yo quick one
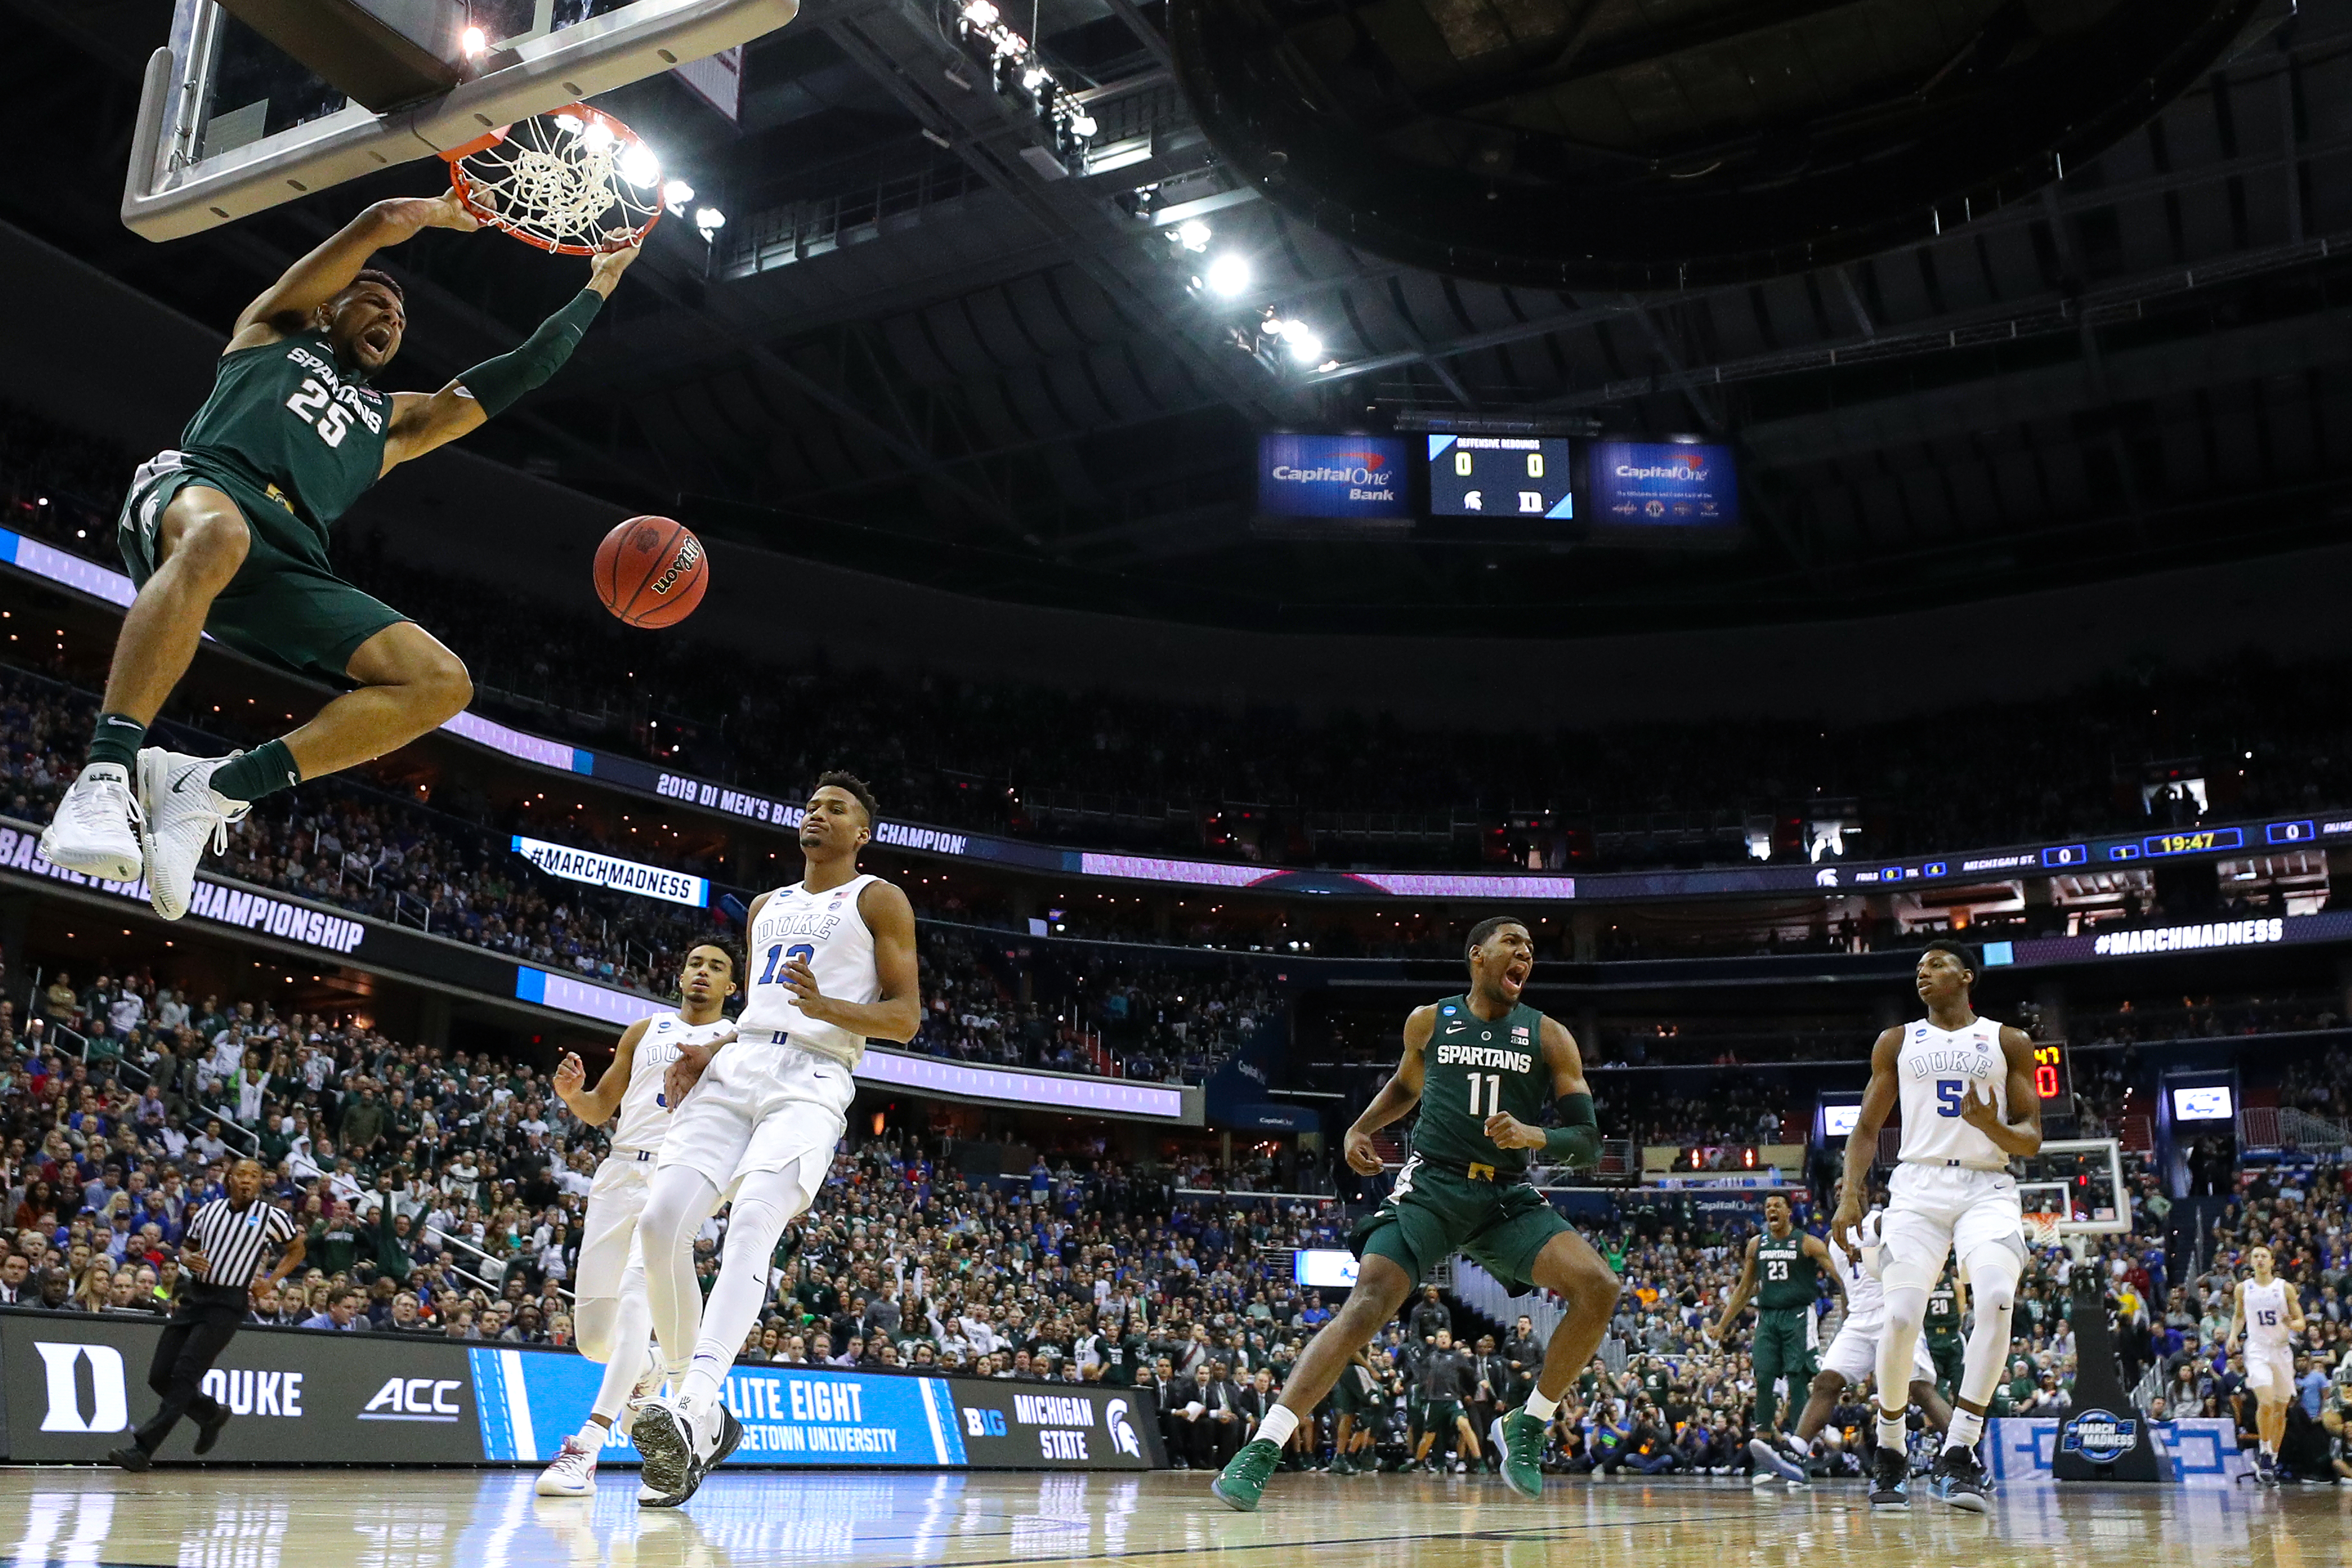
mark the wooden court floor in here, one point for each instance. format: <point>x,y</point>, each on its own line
<point>373,1519</point>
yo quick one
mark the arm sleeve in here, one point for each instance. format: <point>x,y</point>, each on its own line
<point>1576,1141</point>
<point>497,383</point>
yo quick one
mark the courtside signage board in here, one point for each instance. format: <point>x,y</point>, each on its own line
<point>1641,484</point>
<point>1362,477</point>
<point>821,1418</point>
<point>74,1386</point>
<point>612,871</point>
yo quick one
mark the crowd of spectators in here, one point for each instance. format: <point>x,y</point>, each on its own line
<point>1269,784</point>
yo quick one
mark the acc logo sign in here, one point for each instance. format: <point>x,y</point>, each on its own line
<point>1122,1430</point>
<point>110,1398</point>
<point>414,1399</point>
<point>2099,1435</point>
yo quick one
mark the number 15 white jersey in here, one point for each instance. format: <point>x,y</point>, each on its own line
<point>1939,1070</point>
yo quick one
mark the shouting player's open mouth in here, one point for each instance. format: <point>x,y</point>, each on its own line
<point>1514,974</point>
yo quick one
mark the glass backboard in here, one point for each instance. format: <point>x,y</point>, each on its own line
<point>2086,1174</point>
<point>229,124</point>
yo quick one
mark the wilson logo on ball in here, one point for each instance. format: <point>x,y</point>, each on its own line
<point>651,571</point>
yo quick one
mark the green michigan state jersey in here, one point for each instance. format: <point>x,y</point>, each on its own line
<point>1943,1312</point>
<point>1472,1068</point>
<point>286,420</point>
<point>1785,1277</point>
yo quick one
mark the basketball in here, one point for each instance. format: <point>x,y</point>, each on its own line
<point>651,571</point>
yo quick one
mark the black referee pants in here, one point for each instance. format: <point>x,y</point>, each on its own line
<point>202,1324</point>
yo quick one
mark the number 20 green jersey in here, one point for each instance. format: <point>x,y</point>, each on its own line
<point>1473,1068</point>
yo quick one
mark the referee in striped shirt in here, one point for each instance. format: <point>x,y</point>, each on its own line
<point>221,1254</point>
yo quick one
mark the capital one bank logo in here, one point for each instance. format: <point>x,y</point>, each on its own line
<point>109,1402</point>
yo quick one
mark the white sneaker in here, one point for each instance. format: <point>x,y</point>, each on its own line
<point>574,1472</point>
<point>95,830</point>
<point>181,812</point>
<point>647,1385</point>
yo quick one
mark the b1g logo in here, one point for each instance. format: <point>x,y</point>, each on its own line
<point>2099,1435</point>
<point>414,1399</point>
<point>982,1423</point>
<point>110,1405</point>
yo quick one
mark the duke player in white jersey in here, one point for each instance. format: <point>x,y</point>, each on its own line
<point>1966,1085</point>
<point>2266,1309</point>
<point>1853,1357</point>
<point>830,964</point>
<point>611,1319</point>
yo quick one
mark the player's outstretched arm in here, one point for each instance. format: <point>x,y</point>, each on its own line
<point>595,1107</point>
<point>1737,1302</point>
<point>422,421</point>
<point>286,307</point>
<point>1399,1095</point>
<point>1862,1144</point>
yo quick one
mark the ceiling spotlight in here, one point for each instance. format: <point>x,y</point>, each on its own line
<point>1193,235</point>
<point>1083,124</point>
<point>675,195</point>
<point>474,42</point>
<point>596,136</point>
<point>1033,77</point>
<point>709,220</point>
<point>639,166</point>
<point>980,13</point>
<point>1305,346</point>
<point>1228,275</point>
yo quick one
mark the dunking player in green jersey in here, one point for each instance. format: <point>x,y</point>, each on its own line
<point>1783,1274</point>
<point>1482,1067</point>
<point>229,534</point>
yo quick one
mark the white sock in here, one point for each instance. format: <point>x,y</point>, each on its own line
<point>2266,1447</point>
<point>1965,1429</point>
<point>1540,1407</point>
<point>592,1437</point>
<point>1277,1426</point>
<point>1892,1432</point>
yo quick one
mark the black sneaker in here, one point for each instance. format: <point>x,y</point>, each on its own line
<point>208,1433</point>
<point>1958,1479</point>
<point>1890,1476</point>
<point>133,1458</point>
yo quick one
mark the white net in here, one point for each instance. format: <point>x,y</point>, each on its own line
<point>576,181</point>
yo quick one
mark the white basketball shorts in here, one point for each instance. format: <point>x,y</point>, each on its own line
<point>1853,1353</point>
<point>1937,1211</point>
<point>761,1106</point>
<point>2271,1368</point>
<point>611,1261</point>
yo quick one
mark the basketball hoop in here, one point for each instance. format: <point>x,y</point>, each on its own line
<point>574,180</point>
<point>2041,1228</point>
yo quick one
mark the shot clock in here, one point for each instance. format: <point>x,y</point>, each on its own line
<point>1523,478</point>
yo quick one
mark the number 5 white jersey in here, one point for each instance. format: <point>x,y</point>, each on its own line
<point>1939,1070</point>
<point>825,932</point>
<point>645,1113</point>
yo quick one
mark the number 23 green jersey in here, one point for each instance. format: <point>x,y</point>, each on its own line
<point>1471,1068</point>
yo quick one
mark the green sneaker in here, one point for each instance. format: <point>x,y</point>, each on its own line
<point>1243,1480</point>
<point>1523,1444</point>
<point>1342,1466</point>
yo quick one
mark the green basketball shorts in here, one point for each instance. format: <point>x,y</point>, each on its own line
<point>285,605</point>
<point>1432,1213</point>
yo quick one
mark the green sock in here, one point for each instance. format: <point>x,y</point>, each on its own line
<point>117,739</point>
<point>265,770</point>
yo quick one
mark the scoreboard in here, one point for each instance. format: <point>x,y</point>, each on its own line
<point>1522,477</point>
<point>2050,1072</point>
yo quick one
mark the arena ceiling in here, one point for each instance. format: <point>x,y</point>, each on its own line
<point>917,349</point>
